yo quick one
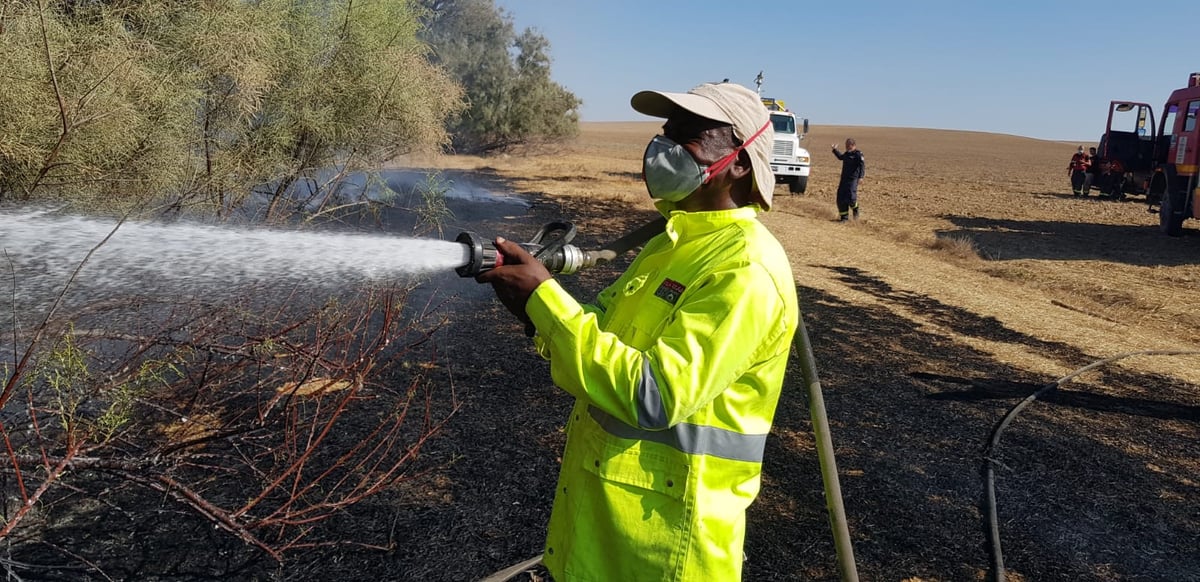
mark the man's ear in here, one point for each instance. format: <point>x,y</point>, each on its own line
<point>741,167</point>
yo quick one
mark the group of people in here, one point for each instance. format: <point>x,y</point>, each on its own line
<point>1089,170</point>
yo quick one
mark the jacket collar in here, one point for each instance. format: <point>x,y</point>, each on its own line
<point>682,224</point>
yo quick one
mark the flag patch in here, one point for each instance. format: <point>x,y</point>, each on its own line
<point>669,291</point>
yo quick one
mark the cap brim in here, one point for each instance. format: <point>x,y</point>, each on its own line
<point>662,104</point>
<point>764,178</point>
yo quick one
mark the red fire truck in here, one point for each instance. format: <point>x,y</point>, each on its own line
<point>1157,160</point>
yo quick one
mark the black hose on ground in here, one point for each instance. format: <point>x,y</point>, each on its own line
<point>991,461</point>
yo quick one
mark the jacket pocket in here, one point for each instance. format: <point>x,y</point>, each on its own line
<point>636,525</point>
<point>641,469</point>
<point>647,325</point>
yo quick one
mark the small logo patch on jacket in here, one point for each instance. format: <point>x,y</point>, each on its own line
<point>669,291</point>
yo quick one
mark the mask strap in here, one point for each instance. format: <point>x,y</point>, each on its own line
<point>725,161</point>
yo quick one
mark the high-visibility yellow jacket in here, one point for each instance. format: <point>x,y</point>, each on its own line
<point>676,371</point>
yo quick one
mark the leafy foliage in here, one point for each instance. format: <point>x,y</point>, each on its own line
<point>506,77</point>
<point>88,108</point>
<point>201,103</point>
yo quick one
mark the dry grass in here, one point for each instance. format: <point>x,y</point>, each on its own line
<point>956,246</point>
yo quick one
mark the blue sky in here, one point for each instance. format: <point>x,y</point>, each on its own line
<point>1038,69</point>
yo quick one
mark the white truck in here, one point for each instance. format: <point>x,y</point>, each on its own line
<point>789,161</point>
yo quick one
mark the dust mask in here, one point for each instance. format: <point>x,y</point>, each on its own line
<point>671,173</point>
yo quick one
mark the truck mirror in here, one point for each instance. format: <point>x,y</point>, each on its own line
<point>806,125</point>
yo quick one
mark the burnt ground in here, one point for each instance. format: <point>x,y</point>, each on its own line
<point>911,413</point>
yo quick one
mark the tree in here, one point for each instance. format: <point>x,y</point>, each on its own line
<point>210,104</point>
<point>506,77</point>
<point>88,113</point>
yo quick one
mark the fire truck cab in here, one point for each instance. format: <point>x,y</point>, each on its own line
<point>1158,160</point>
<point>1179,142</point>
<point>789,161</point>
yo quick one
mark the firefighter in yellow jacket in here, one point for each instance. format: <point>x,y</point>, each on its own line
<point>677,367</point>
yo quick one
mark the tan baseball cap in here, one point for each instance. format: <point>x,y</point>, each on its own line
<point>728,103</point>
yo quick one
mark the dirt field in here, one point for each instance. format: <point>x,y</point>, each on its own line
<point>973,279</point>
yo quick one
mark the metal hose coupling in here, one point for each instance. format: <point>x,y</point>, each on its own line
<point>552,247</point>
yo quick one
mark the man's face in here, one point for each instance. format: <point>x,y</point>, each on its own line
<point>705,139</point>
<point>849,146</point>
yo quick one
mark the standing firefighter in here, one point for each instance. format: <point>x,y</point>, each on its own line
<point>1094,168</point>
<point>677,368</point>
<point>854,167</point>
<point>1077,169</point>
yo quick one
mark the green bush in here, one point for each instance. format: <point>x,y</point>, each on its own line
<point>199,103</point>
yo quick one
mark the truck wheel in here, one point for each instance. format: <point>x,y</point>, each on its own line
<point>798,185</point>
<point>1170,213</point>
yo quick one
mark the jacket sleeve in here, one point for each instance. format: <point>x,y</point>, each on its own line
<point>603,299</point>
<point>712,339</point>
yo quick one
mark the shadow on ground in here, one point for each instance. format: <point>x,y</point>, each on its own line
<point>1080,471</point>
<point>1005,239</point>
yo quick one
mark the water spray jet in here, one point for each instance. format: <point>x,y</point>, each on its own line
<point>41,249</point>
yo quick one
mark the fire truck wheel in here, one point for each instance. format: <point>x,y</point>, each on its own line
<point>1170,214</point>
<point>798,185</point>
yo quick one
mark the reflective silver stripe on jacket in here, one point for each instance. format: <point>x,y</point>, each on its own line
<point>692,439</point>
<point>651,412</point>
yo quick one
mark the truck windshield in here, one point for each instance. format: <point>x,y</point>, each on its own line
<point>784,123</point>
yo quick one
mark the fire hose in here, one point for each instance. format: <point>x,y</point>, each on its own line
<point>990,455</point>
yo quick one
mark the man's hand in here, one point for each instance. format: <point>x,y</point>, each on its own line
<point>515,277</point>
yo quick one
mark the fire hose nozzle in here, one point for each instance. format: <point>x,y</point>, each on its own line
<point>556,255</point>
<point>551,247</point>
<point>481,256</point>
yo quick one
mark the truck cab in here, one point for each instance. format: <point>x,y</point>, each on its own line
<point>1177,181</point>
<point>790,162</point>
<point>1159,160</point>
